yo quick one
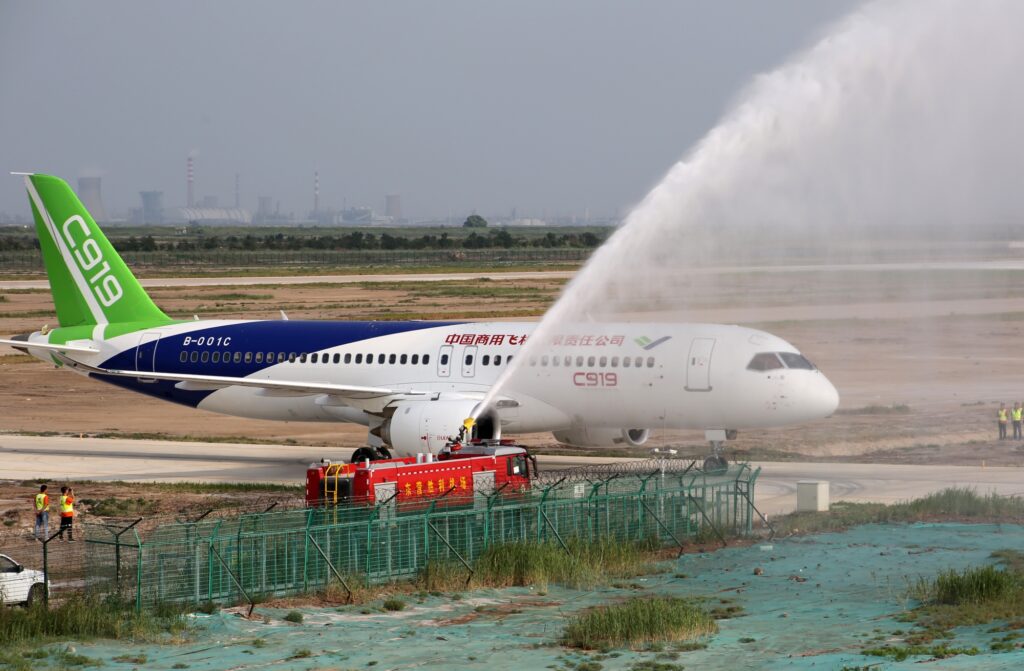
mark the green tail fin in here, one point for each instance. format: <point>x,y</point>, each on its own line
<point>89,281</point>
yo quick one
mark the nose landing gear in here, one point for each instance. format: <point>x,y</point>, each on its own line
<point>716,464</point>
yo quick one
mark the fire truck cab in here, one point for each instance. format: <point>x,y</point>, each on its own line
<point>477,468</point>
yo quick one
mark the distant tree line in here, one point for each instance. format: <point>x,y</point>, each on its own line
<point>490,238</point>
<point>493,239</point>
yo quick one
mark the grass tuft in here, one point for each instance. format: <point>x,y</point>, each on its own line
<point>294,616</point>
<point>394,604</point>
<point>85,617</point>
<point>639,621</point>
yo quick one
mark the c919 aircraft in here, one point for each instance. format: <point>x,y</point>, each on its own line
<point>412,383</point>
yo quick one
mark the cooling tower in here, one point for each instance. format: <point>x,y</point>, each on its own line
<point>89,193</point>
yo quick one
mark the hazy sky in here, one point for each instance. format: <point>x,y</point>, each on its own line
<point>550,107</point>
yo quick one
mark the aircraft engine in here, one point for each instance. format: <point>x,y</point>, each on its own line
<point>584,437</point>
<point>427,426</point>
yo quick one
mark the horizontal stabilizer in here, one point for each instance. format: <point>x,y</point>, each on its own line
<point>25,345</point>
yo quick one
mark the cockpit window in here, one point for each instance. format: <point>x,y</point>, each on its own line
<point>793,360</point>
<point>765,361</point>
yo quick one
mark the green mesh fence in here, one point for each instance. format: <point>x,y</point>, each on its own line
<point>278,553</point>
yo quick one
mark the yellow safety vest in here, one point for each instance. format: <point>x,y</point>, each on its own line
<point>1002,415</point>
<point>1018,414</point>
<point>42,502</point>
<point>67,505</point>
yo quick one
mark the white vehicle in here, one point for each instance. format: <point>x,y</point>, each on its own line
<point>19,584</point>
<point>410,383</point>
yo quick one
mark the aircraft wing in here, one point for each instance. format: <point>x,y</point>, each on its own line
<point>25,345</point>
<point>270,387</point>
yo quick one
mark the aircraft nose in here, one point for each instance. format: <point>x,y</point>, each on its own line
<point>826,396</point>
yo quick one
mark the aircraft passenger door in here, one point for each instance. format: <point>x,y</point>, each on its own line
<point>469,361</point>
<point>698,365</point>
<point>145,352</point>
<point>444,361</point>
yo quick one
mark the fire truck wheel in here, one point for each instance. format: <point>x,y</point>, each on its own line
<point>362,454</point>
<point>383,453</point>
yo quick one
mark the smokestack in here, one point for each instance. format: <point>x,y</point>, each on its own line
<point>393,206</point>
<point>92,198</point>
<point>316,191</point>
<point>189,199</point>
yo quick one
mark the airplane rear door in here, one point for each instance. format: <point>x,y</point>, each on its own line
<point>469,362</point>
<point>145,352</point>
<point>698,365</point>
<point>444,361</point>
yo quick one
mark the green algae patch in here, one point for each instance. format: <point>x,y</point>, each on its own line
<point>638,622</point>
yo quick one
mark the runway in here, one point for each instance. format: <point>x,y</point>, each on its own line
<point>66,458</point>
<point>167,282</point>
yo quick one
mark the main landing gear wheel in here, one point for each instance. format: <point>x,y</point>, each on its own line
<point>362,454</point>
<point>383,453</point>
<point>716,464</point>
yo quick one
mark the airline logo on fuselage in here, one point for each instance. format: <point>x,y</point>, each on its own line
<point>89,258</point>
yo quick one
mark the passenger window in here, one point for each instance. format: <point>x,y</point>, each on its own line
<point>508,359</point>
<point>533,361</point>
<point>486,360</point>
<point>403,359</point>
<point>369,358</point>
<point>615,362</point>
<point>444,359</point>
<point>259,357</point>
<point>337,358</point>
<point>281,357</point>
<point>568,361</point>
<point>291,357</point>
<point>314,357</point>
<point>590,362</point>
<point>205,357</point>
<point>216,357</point>
<point>184,356</point>
<point>555,361</point>
<point>415,359</point>
<point>497,359</point>
<point>579,362</point>
<point>626,361</point>
<point>469,359</point>
<point>639,362</point>
<point>303,357</point>
<point>270,357</point>
<point>793,360</point>
<point>194,356</point>
<point>650,362</point>
<point>380,358</point>
<point>248,357</point>
<point>392,359</point>
<point>359,358</point>
<point>604,361</point>
<point>237,358</point>
<point>327,358</point>
<point>764,361</point>
<point>348,357</point>
<point>426,359</point>
<point>544,360</point>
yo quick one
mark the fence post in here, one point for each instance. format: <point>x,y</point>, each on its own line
<point>305,551</point>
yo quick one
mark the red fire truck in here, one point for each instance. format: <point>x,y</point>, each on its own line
<point>459,471</point>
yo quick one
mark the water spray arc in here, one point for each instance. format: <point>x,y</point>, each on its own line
<point>904,115</point>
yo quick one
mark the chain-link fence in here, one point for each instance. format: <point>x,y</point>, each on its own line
<point>284,549</point>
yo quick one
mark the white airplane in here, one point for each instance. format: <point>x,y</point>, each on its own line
<point>411,383</point>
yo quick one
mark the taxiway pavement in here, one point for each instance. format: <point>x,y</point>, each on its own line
<point>68,458</point>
